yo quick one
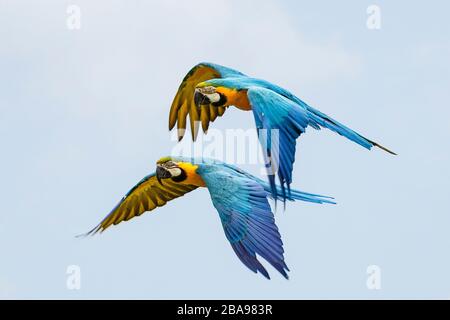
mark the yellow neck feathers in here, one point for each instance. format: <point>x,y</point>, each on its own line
<point>191,172</point>
<point>237,98</point>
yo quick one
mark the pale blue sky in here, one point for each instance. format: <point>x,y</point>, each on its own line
<point>83,117</point>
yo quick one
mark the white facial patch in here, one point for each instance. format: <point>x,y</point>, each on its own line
<point>174,172</point>
<point>213,97</point>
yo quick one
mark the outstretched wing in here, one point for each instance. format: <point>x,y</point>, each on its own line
<point>285,118</point>
<point>147,195</point>
<point>283,122</point>
<point>326,121</point>
<point>183,103</point>
<point>246,217</point>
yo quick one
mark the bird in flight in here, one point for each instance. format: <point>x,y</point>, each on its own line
<point>209,89</point>
<point>240,198</point>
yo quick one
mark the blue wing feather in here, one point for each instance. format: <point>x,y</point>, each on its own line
<point>225,72</point>
<point>246,217</point>
<point>285,121</point>
<point>319,118</point>
<point>276,108</point>
<point>273,191</point>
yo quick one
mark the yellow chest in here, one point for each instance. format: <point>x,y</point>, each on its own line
<point>191,172</point>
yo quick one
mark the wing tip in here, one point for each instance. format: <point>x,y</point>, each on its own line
<point>90,233</point>
<point>180,133</point>
<point>260,269</point>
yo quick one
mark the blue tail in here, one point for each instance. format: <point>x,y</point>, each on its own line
<point>309,197</point>
<point>281,193</point>
<point>319,119</point>
<point>293,195</point>
<point>325,121</point>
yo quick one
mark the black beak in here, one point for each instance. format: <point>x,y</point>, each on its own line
<point>200,99</point>
<point>162,173</point>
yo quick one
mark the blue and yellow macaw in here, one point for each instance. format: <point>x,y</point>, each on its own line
<point>209,89</point>
<point>239,197</point>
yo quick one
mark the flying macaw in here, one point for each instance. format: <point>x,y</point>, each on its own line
<point>209,89</point>
<point>239,197</point>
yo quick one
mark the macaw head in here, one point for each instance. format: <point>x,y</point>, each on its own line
<point>178,170</point>
<point>209,92</point>
<point>222,93</point>
<point>167,168</point>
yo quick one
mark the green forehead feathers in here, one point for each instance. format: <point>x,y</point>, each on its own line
<point>164,160</point>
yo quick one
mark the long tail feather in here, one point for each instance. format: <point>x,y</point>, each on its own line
<point>325,121</point>
<point>294,195</point>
